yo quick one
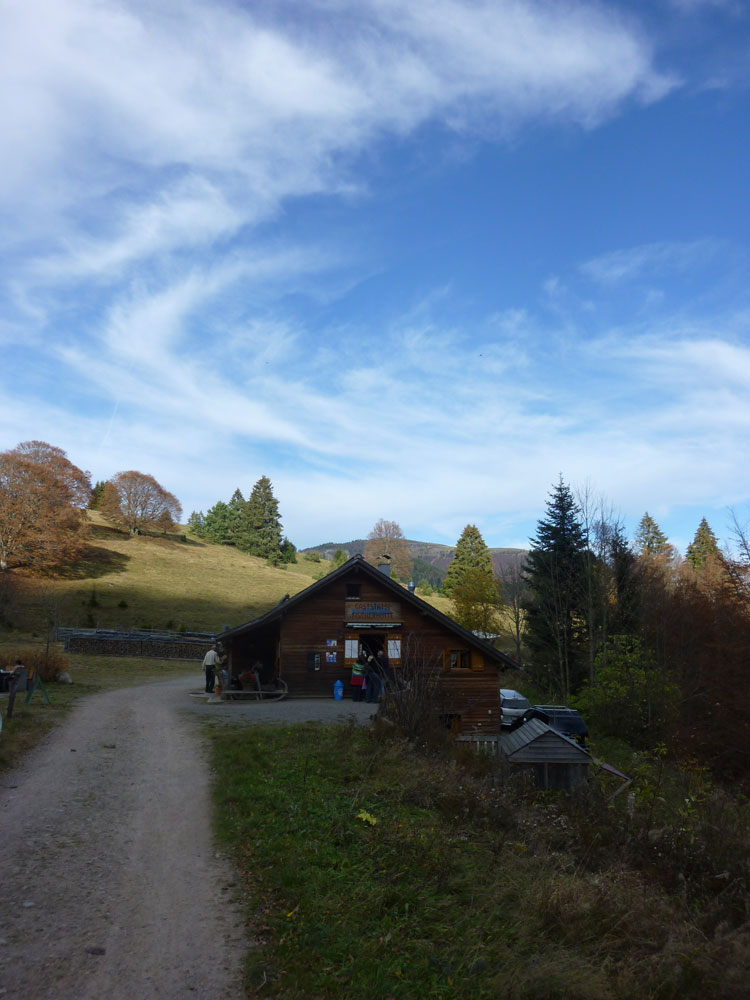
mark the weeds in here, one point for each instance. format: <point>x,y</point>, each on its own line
<point>380,866</point>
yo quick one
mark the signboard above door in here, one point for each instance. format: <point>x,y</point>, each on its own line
<point>368,612</point>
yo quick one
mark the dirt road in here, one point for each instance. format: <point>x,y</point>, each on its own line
<point>110,885</point>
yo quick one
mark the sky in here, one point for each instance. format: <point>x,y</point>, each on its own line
<point>410,261</point>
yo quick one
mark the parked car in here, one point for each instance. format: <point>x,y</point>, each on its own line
<point>567,721</point>
<point>512,706</point>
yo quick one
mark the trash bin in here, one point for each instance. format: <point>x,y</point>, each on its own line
<point>338,691</point>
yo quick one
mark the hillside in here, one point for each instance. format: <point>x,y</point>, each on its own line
<point>423,553</point>
<point>140,581</point>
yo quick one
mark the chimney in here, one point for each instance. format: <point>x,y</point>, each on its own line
<point>385,565</point>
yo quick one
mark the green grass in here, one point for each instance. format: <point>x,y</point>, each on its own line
<point>372,871</point>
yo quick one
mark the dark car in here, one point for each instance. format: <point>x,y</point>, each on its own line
<point>567,721</point>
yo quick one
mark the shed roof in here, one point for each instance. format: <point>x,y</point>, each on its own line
<point>537,743</point>
<point>358,565</point>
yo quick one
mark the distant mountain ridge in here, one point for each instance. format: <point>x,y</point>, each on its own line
<point>424,554</point>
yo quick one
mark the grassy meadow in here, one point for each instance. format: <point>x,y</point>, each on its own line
<point>167,582</point>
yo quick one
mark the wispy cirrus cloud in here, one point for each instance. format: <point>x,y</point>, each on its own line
<point>650,260</point>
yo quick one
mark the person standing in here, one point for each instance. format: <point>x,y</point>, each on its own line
<point>210,662</point>
<point>358,676</point>
<point>372,681</point>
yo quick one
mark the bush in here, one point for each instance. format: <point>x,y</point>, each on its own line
<point>50,663</point>
<point>312,556</point>
<point>632,698</point>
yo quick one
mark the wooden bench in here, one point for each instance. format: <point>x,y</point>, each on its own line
<point>260,692</point>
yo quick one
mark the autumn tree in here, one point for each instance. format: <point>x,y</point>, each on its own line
<point>703,547</point>
<point>477,600</point>
<point>471,554</point>
<point>137,502</point>
<point>387,539</point>
<point>43,500</point>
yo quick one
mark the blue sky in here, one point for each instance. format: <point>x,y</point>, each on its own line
<point>410,261</point>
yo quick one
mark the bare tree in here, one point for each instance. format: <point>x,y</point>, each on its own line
<point>387,539</point>
<point>136,501</point>
<point>515,595</point>
<point>412,702</point>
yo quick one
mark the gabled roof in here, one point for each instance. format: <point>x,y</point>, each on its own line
<point>537,743</point>
<point>358,564</point>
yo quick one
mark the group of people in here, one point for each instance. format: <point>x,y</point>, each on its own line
<point>371,675</point>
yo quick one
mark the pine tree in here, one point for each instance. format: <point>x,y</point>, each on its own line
<point>238,522</point>
<point>471,554</point>
<point>217,524</point>
<point>703,547</point>
<point>555,606</point>
<point>195,523</point>
<point>264,522</point>
<point>649,538</point>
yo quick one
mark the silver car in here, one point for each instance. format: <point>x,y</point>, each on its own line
<point>512,706</point>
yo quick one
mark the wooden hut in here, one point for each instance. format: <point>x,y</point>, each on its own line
<point>558,762</point>
<point>311,640</point>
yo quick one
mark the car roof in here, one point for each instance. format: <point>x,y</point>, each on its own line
<point>510,693</point>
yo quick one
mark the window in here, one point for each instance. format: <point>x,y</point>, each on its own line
<point>353,591</point>
<point>459,659</point>
<point>394,649</point>
<point>351,649</point>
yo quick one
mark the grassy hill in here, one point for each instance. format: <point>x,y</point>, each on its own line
<point>143,581</point>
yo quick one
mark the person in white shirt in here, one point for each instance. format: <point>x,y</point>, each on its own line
<point>210,662</point>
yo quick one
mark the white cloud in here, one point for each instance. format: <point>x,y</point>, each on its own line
<point>620,266</point>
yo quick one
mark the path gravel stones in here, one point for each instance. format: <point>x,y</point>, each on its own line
<point>112,886</point>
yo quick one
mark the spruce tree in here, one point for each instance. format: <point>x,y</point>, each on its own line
<point>649,538</point>
<point>555,606</point>
<point>195,523</point>
<point>238,522</point>
<point>264,522</point>
<point>471,554</point>
<point>703,547</point>
<point>217,524</point>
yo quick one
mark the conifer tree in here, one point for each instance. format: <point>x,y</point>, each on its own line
<point>649,538</point>
<point>195,523</point>
<point>238,522</point>
<point>703,547</point>
<point>264,522</point>
<point>217,524</point>
<point>471,554</point>
<point>555,606</point>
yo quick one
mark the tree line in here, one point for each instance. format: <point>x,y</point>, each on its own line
<point>646,643</point>
<point>252,525</point>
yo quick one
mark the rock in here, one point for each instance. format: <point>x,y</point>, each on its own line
<point>64,678</point>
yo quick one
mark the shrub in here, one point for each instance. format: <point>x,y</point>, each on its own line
<point>632,698</point>
<point>312,556</point>
<point>49,662</point>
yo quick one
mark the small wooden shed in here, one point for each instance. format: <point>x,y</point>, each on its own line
<point>559,763</point>
<point>312,640</point>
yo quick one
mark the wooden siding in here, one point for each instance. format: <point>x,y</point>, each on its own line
<point>469,695</point>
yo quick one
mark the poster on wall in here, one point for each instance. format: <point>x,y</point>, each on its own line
<point>331,643</point>
<point>330,657</point>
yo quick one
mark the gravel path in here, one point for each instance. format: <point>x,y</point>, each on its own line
<point>111,883</point>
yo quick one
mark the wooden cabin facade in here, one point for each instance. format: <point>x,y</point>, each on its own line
<point>311,640</point>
